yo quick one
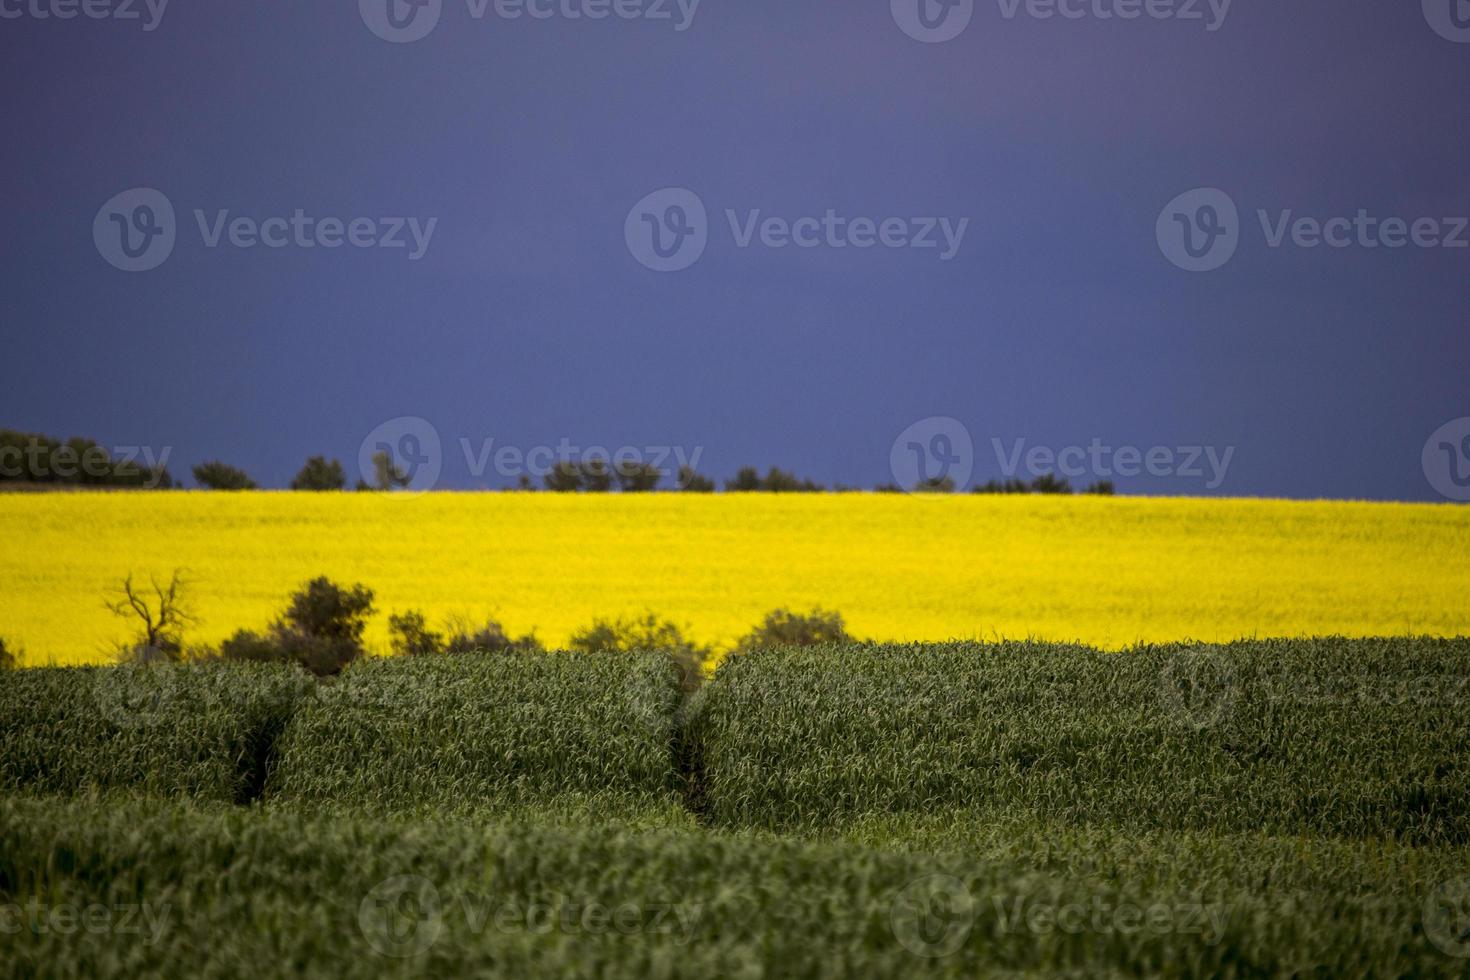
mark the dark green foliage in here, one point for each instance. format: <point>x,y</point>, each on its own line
<point>486,732</point>
<point>9,656</point>
<point>28,457</point>
<point>1010,486</point>
<point>321,630</point>
<point>643,634</point>
<point>465,637</point>
<point>1047,483</point>
<point>692,482</point>
<point>782,628</point>
<point>387,474</point>
<point>1102,488</point>
<point>565,477</point>
<point>232,892</point>
<point>201,731</point>
<point>634,477</point>
<point>411,636</point>
<point>323,608</point>
<point>320,474</point>
<point>215,475</point>
<point>776,480</point>
<point>1354,738</point>
<point>596,477</point>
<point>936,484</point>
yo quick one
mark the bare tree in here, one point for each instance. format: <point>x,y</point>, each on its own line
<point>164,613</point>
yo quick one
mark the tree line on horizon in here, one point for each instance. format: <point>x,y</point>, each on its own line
<point>83,462</point>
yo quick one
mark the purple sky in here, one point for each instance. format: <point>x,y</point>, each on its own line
<point>528,321</point>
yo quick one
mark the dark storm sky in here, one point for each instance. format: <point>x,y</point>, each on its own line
<point>528,320</point>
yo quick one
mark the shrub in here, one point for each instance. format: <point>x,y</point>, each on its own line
<point>692,482</point>
<point>564,477</point>
<point>411,636</point>
<point>517,729</point>
<point>646,634</point>
<point>215,475</point>
<point>782,628</point>
<point>28,457</point>
<point>636,477</point>
<point>936,484</point>
<point>321,630</point>
<point>776,480</point>
<point>201,731</point>
<point>320,474</point>
<point>9,656</point>
<point>1354,738</point>
<point>596,477</point>
<point>490,637</point>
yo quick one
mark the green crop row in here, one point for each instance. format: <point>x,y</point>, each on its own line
<point>1346,738</point>
<point>202,732</point>
<point>177,890</point>
<point>1340,737</point>
<point>514,729</point>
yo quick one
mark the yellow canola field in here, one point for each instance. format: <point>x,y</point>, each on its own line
<point>1110,572</point>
